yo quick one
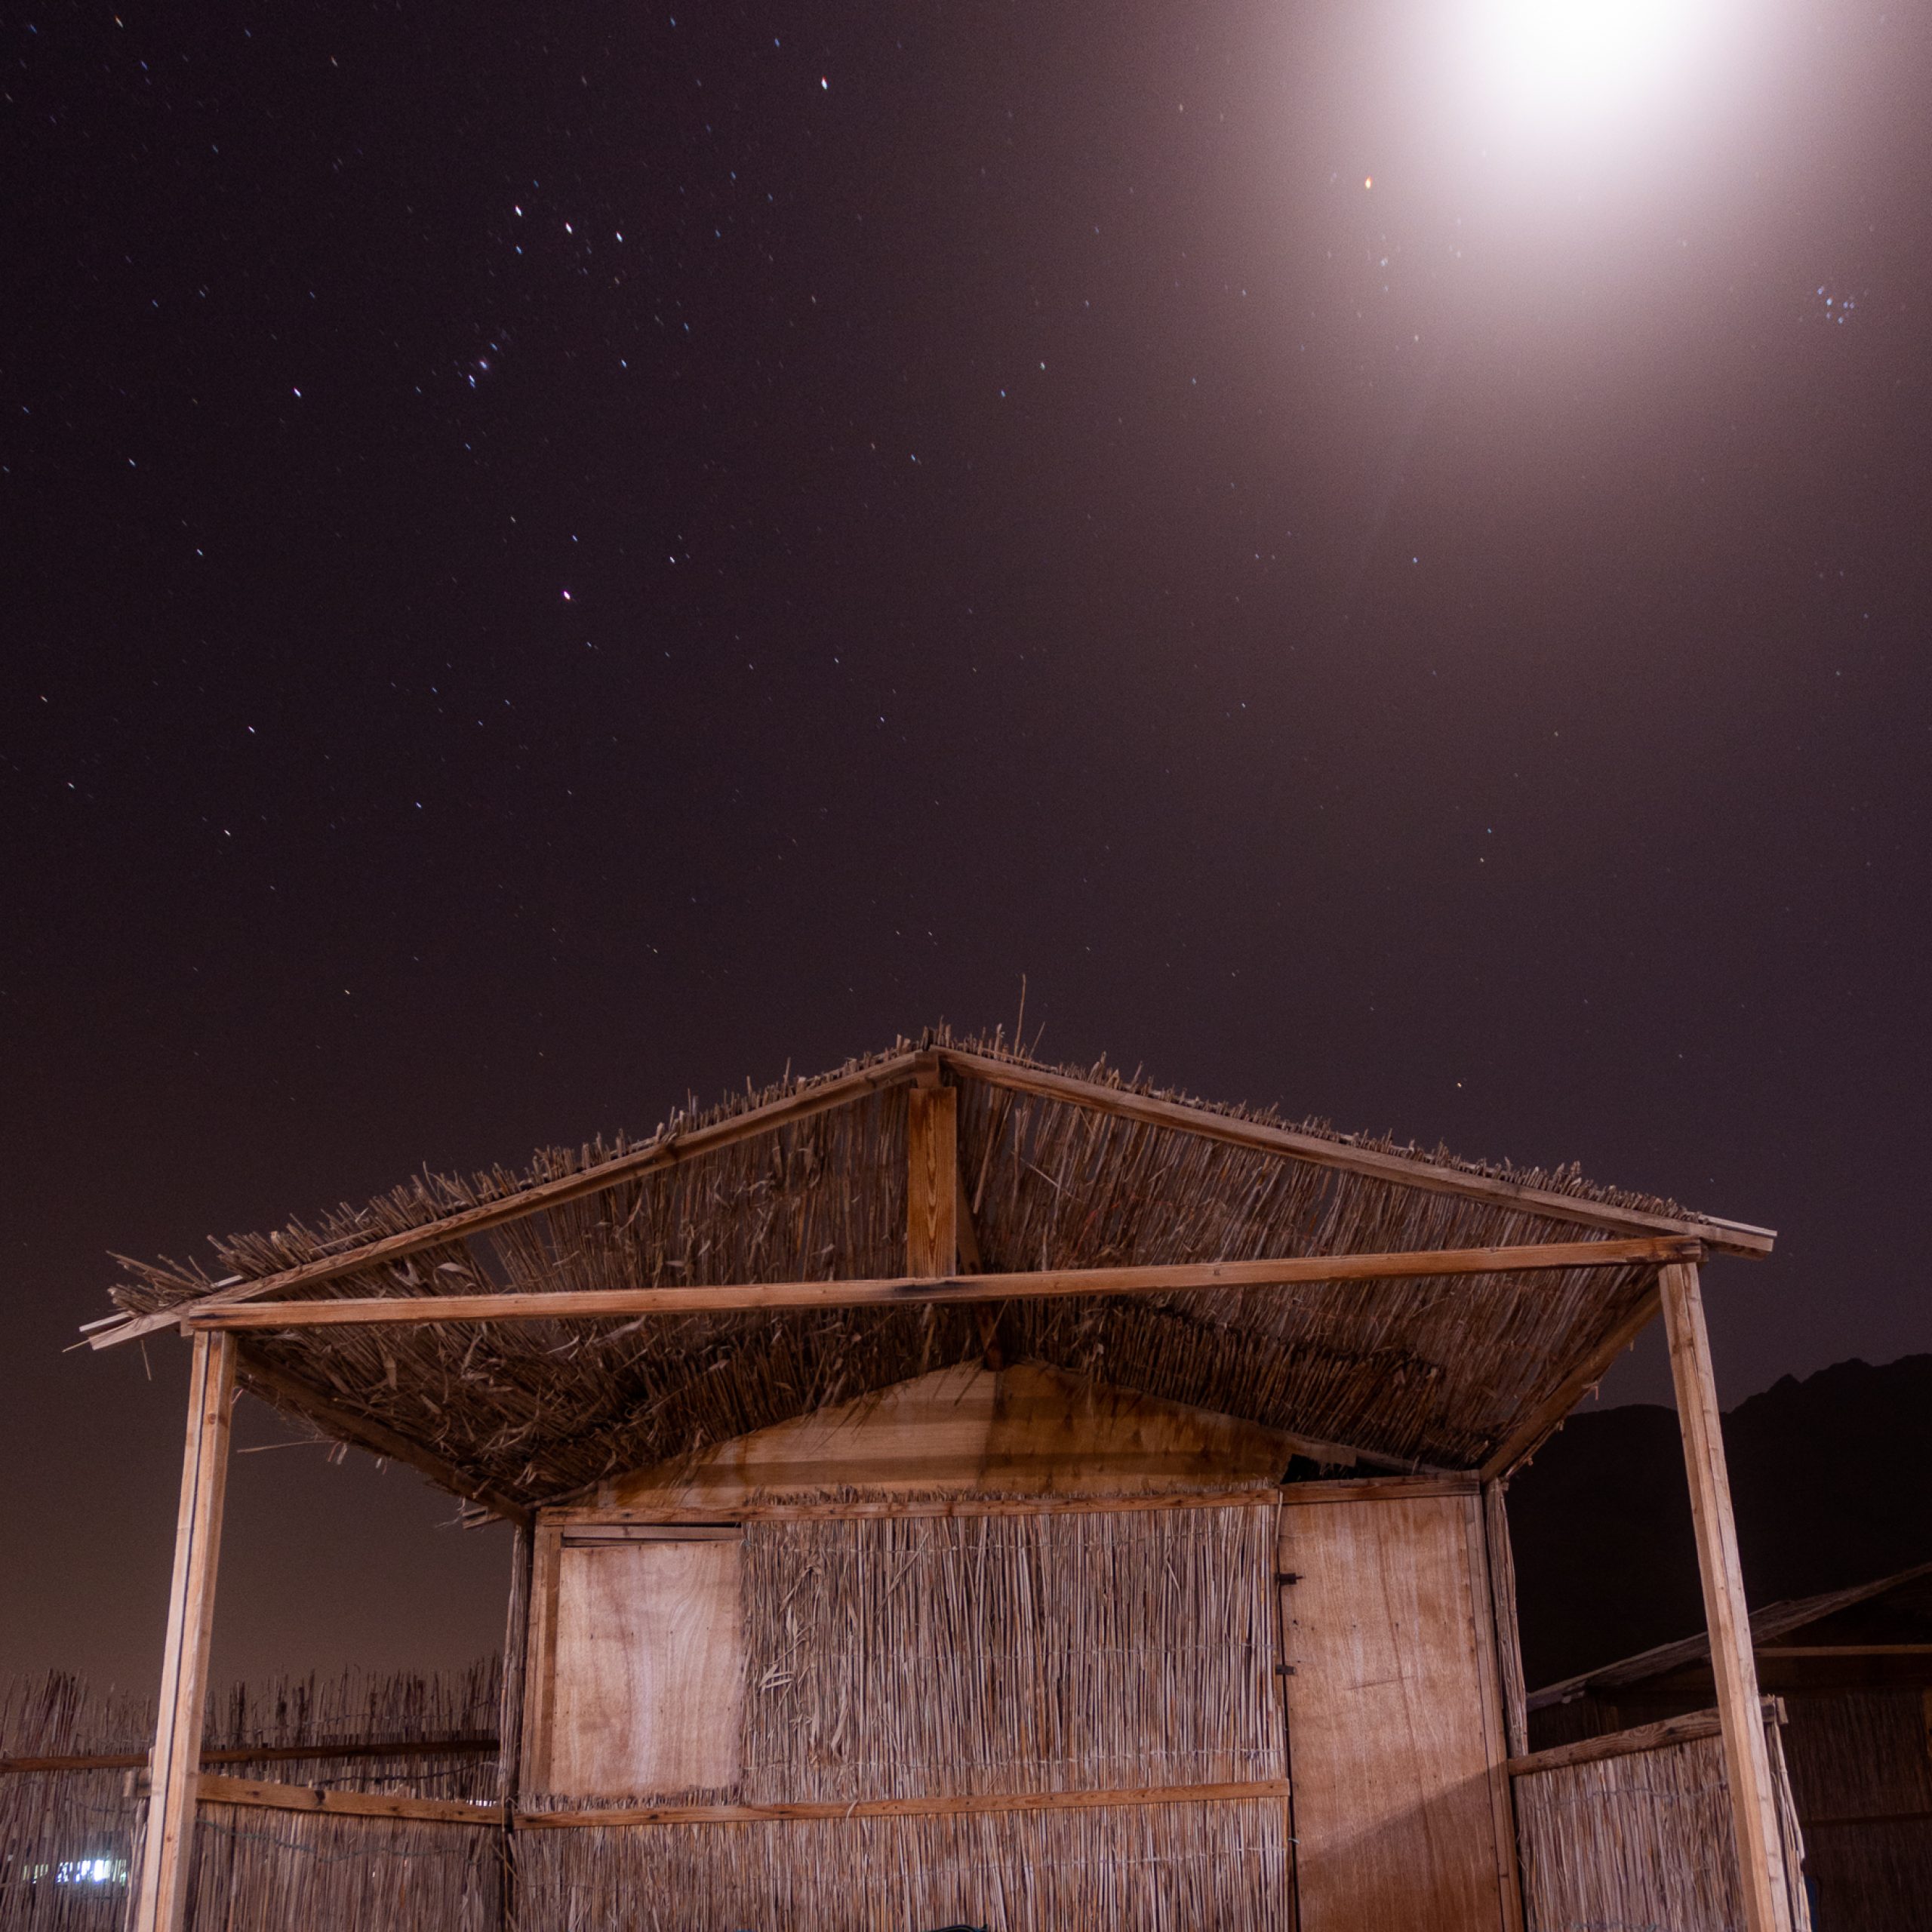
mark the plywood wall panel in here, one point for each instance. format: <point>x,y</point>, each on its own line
<point>646,1669</point>
<point>1389,1733</point>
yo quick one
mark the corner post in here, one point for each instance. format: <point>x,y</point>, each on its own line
<point>1747,1763</point>
<point>160,1904</point>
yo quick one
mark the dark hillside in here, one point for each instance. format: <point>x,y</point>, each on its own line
<point>1832,1480</point>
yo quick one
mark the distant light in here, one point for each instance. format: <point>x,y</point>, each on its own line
<point>1561,62</point>
<point>1368,181</point>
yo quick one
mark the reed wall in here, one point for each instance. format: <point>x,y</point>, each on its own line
<point>1642,1842</point>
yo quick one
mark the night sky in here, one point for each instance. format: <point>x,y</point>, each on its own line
<point>560,557</point>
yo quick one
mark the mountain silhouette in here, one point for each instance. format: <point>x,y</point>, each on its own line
<point>1832,1481</point>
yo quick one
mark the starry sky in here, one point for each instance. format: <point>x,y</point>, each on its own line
<point>562,556</point>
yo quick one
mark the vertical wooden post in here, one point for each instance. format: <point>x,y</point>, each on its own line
<point>932,1181</point>
<point>1502,1598</point>
<point>509,1723</point>
<point>1747,1764</point>
<point>160,1904</point>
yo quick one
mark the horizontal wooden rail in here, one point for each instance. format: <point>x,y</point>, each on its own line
<point>258,1792</point>
<point>612,1304</point>
<point>1658,1737</point>
<point>267,1753</point>
<point>1274,1788</point>
<point>587,1516</point>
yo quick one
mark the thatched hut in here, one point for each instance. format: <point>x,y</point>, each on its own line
<point>957,1490</point>
<point>1853,1669</point>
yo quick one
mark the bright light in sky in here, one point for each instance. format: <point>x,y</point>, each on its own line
<point>1570,63</point>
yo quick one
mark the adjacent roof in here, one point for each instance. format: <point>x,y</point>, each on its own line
<point>807,1181</point>
<point>1908,1590</point>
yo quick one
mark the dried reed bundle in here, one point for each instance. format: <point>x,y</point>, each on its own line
<point>1224,1866</point>
<point>1862,1779</point>
<point>1642,1842</point>
<point>266,1871</point>
<point>65,1837</point>
<point>1626,1844</point>
<point>898,1657</point>
<point>357,1707</point>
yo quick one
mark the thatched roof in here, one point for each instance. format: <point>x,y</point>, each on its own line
<point>807,1181</point>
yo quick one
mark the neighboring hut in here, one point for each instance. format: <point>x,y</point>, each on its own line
<point>1855,1669</point>
<point>955,1490</point>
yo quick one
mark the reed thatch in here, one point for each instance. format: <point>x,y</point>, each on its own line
<point>1133,1869</point>
<point>68,1838</point>
<point>1642,1842</point>
<point>1436,1372</point>
<point>1861,1773</point>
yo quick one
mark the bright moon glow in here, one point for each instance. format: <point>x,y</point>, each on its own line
<point>1561,62</point>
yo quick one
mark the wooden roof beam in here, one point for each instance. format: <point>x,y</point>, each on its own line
<point>1179,1278</point>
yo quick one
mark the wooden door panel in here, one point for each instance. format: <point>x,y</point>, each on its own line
<point>1392,1743</point>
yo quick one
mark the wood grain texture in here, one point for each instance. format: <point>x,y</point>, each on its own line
<point>932,1181</point>
<point>1502,1600</point>
<point>1024,1430</point>
<point>1031,1284</point>
<point>1389,1738</point>
<point>1747,1763</point>
<point>648,1669</point>
<point>160,1896</point>
<point>982,1804</point>
<point>260,1794</point>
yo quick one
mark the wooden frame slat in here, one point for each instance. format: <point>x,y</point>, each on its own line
<point>1177,1277</point>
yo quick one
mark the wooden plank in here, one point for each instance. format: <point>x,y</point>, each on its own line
<point>1496,1744</point>
<point>649,1673</point>
<point>982,1804</point>
<point>666,1152</point>
<point>161,1897</point>
<point>270,1754</point>
<point>1258,1496</point>
<point>1501,1562</point>
<point>256,1793</point>
<point>1693,1725</point>
<point>1547,1417</point>
<point>1726,1237</point>
<point>1176,1277</point>
<point>1381,1489</point>
<point>1747,1763</point>
<point>540,1675</point>
<point>280,1389</point>
<point>1027,1429</point>
<point>932,1181</point>
<point>1389,1750</point>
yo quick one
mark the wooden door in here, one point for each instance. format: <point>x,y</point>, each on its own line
<point>1394,1727</point>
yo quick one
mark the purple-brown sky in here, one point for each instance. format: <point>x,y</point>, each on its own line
<point>561,556</point>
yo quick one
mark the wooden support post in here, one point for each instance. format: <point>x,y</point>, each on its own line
<point>509,1723</point>
<point>1502,1599</point>
<point>1747,1763</point>
<point>932,1184</point>
<point>160,1904</point>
